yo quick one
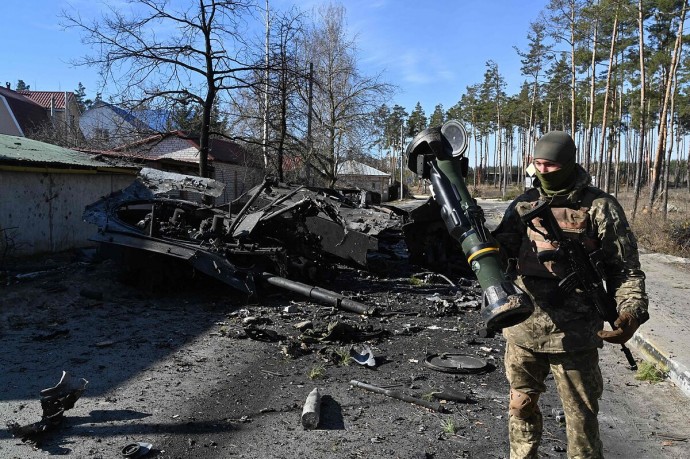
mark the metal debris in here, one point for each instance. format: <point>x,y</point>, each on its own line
<point>312,410</point>
<point>400,396</point>
<point>135,450</point>
<point>54,402</point>
<point>451,395</point>
<point>456,363</point>
<point>365,357</point>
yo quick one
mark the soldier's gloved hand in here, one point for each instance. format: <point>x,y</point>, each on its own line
<point>626,325</point>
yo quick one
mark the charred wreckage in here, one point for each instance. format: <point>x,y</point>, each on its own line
<point>282,235</point>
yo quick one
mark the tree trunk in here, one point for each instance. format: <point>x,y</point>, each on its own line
<point>687,170</point>
<point>640,155</point>
<point>204,135</point>
<point>477,155</point>
<point>592,95</point>
<point>663,118</point>
<point>601,170</point>
<point>266,76</point>
<point>573,121</point>
<point>667,163</point>
<point>619,117</point>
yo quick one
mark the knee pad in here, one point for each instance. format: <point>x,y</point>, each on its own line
<point>522,405</point>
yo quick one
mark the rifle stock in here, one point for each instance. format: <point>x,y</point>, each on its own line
<point>585,269</point>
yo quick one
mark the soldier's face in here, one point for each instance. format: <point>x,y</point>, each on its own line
<point>545,166</point>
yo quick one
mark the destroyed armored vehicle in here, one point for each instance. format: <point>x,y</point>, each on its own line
<point>273,233</point>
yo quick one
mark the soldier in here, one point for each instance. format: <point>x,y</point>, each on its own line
<point>564,332</point>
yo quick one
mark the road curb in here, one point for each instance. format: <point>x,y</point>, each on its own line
<point>677,372</point>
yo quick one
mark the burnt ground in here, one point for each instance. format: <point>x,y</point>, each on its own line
<point>176,368</point>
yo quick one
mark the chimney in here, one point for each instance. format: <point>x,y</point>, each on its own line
<point>8,85</point>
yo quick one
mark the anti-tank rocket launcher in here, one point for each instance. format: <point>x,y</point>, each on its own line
<point>436,154</point>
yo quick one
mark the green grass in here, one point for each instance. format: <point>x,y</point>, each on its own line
<point>429,396</point>
<point>649,372</point>
<point>415,281</point>
<point>343,356</point>
<point>317,372</point>
<point>449,426</point>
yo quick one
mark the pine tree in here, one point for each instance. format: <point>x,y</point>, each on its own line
<point>417,121</point>
<point>438,117</point>
<point>80,94</point>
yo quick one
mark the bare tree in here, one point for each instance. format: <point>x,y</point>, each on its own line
<point>278,129</point>
<point>287,75</point>
<point>58,132</point>
<point>344,100</point>
<point>164,52</point>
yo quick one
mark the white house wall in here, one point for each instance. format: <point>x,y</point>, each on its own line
<point>8,123</point>
<point>42,213</point>
<point>377,183</point>
<point>104,118</point>
<point>174,147</point>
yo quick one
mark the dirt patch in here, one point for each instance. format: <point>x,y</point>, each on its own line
<point>200,372</point>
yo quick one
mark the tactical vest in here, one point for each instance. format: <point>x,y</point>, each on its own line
<point>575,223</point>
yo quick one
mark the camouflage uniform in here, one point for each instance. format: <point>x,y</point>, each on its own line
<point>561,335</point>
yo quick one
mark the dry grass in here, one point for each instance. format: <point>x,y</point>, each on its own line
<point>656,232</point>
<point>656,235</point>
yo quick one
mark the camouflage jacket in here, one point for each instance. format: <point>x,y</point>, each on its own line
<point>562,322</point>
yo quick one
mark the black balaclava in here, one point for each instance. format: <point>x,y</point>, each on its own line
<point>559,147</point>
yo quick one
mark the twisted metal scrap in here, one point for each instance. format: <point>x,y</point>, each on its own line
<point>54,402</point>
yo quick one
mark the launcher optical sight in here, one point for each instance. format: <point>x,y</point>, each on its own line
<point>436,154</point>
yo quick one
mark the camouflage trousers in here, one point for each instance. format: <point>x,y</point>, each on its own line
<point>579,384</point>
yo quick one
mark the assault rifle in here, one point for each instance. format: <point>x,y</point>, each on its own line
<point>585,270</point>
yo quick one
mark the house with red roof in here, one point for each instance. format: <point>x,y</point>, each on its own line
<point>61,107</point>
<point>19,115</point>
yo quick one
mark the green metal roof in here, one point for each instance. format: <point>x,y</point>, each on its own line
<point>22,152</point>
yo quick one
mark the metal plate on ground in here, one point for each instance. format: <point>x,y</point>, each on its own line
<point>456,363</point>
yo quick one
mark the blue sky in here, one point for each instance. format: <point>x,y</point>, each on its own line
<point>431,49</point>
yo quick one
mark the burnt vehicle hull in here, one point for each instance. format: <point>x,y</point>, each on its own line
<point>275,234</point>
